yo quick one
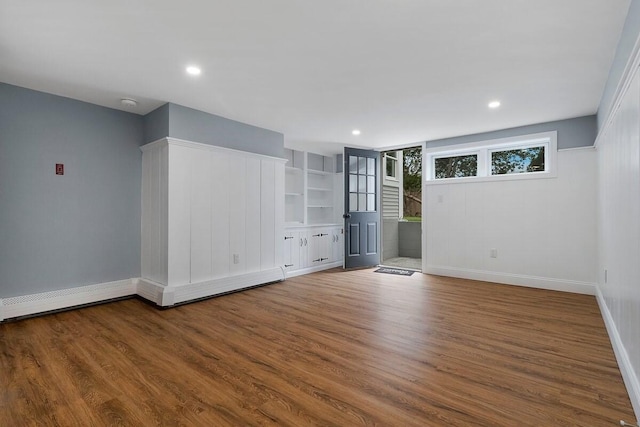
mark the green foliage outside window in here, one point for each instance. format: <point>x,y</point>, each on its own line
<point>517,161</point>
<point>456,167</point>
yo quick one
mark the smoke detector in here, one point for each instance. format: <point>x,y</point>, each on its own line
<point>129,103</point>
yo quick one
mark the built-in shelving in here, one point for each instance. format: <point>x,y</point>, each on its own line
<point>312,189</point>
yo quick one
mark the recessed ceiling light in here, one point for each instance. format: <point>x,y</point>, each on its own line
<point>129,102</point>
<point>193,70</point>
<point>494,104</point>
<point>355,132</point>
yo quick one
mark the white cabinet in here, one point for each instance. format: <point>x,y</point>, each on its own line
<point>337,244</point>
<point>309,249</point>
<point>212,220</point>
<point>320,248</point>
<point>313,213</point>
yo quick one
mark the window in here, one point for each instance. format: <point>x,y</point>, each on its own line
<point>524,157</point>
<point>456,166</point>
<point>391,164</point>
<point>518,160</point>
<point>362,184</point>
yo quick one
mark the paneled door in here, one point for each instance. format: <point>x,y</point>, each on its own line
<point>362,208</point>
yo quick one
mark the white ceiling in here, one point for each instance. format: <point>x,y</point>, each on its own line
<point>401,71</point>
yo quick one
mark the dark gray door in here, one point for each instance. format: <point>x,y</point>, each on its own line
<point>362,208</point>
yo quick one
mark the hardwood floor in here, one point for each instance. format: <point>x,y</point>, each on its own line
<point>329,349</point>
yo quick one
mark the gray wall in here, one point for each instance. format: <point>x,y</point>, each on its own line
<point>410,239</point>
<point>156,124</point>
<point>627,41</point>
<point>197,126</point>
<point>72,230</point>
<point>572,133</point>
<point>390,239</point>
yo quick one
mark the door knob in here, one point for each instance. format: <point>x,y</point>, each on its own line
<point>346,216</point>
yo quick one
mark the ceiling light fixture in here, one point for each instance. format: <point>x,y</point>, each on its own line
<point>129,102</point>
<point>494,104</point>
<point>193,70</point>
<point>355,132</point>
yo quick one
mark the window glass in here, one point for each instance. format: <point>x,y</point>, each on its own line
<point>519,160</point>
<point>362,184</point>
<point>371,166</point>
<point>456,166</point>
<point>353,164</point>
<point>362,165</point>
<point>391,167</point>
<point>353,202</point>
<point>371,184</point>
<point>371,202</point>
<point>353,183</point>
<point>362,202</point>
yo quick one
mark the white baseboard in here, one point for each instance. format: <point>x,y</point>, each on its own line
<point>316,268</point>
<point>64,298</point>
<point>161,295</point>
<point>170,295</point>
<point>626,368</point>
<point>515,279</point>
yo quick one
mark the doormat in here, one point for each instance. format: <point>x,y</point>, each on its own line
<point>398,271</point>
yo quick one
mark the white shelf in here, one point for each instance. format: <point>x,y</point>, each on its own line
<point>312,189</point>
<point>315,172</point>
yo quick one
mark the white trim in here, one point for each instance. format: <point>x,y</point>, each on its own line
<point>152,291</point>
<point>64,298</point>
<point>314,269</point>
<point>583,148</point>
<point>548,283</point>
<point>207,147</point>
<point>623,86</point>
<point>626,367</point>
<point>169,295</point>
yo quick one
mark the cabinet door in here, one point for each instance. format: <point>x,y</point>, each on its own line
<point>303,249</point>
<point>291,251</point>
<point>319,249</point>
<point>337,244</point>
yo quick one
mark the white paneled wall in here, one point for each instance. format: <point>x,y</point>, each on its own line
<point>543,230</point>
<point>224,215</point>
<point>618,148</point>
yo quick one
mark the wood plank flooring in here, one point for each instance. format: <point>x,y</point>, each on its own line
<point>328,349</point>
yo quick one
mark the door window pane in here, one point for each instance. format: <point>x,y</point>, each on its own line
<point>362,165</point>
<point>353,202</point>
<point>362,202</point>
<point>371,184</point>
<point>362,184</point>
<point>371,166</point>
<point>371,202</point>
<point>353,183</point>
<point>353,164</point>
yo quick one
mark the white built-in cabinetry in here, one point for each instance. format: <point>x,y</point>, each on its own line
<point>212,220</point>
<point>314,238</point>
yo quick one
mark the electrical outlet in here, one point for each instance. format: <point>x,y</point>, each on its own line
<point>236,258</point>
<point>493,253</point>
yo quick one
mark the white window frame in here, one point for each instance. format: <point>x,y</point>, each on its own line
<point>395,159</point>
<point>483,150</point>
